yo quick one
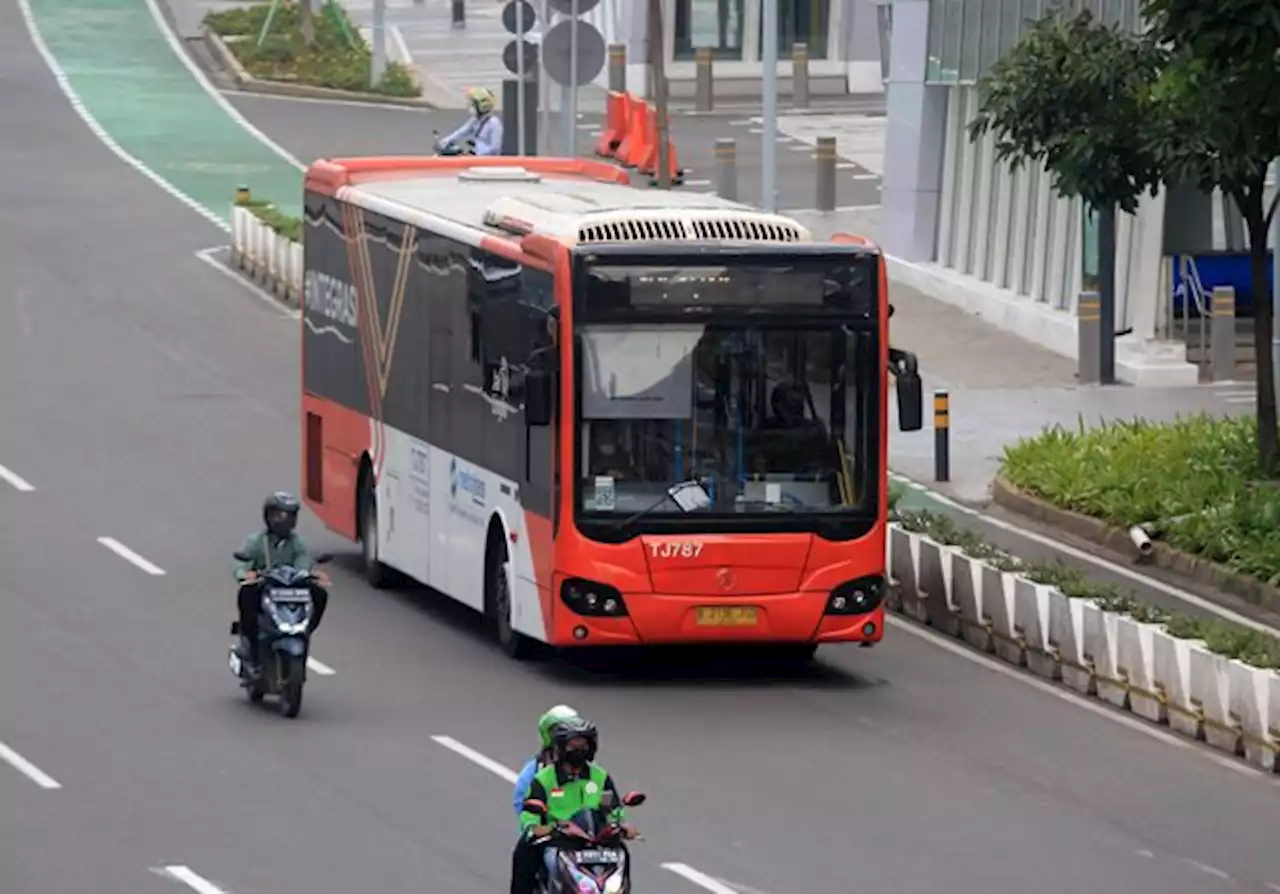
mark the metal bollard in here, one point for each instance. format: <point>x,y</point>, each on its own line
<point>459,14</point>
<point>1089,338</point>
<point>705,92</point>
<point>618,67</point>
<point>1222,335</point>
<point>800,75</point>
<point>826,174</point>
<point>941,435</point>
<point>727,168</point>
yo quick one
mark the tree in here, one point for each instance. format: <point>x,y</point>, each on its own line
<point>1072,95</point>
<point>1218,125</point>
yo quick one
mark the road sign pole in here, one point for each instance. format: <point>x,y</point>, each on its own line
<point>521,80</point>
<point>571,133</point>
<point>769,130</point>
<point>378,66</point>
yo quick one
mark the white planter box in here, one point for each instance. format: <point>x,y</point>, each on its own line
<point>1135,656</point>
<point>1101,654</point>
<point>1066,638</point>
<point>966,584</point>
<point>998,589</point>
<point>904,564</point>
<point>265,256</point>
<point>1211,693</point>
<point>935,585</point>
<point>1031,621</point>
<point>1173,680</point>
<point>1251,709</point>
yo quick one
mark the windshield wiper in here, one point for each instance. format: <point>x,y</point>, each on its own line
<point>688,495</point>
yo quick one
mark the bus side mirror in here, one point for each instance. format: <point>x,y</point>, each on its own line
<point>537,398</point>
<point>905,368</point>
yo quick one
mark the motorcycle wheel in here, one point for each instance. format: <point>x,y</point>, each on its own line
<point>291,695</point>
<point>291,700</point>
<point>255,693</point>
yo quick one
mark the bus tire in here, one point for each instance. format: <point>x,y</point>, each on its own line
<point>376,574</point>
<point>497,601</point>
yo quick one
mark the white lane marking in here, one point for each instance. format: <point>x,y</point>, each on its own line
<point>16,481</point>
<point>867,176</point>
<point>697,183</point>
<point>702,880</point>
<point>1206,868</point>
<point>64,84</point>
<point>207,255</point>
<point>1148,854</point>
<point>477,758</point>
<point>27,769</point>
<point>1066,695</point>
<point>191,879</point>
<point>130,556</point>
<point>232,112</point>
<point>1090,559</point>
<point>1273,887</point>
<point>320,668</point>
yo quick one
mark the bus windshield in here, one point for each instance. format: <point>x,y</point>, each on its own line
<point>771,417</point>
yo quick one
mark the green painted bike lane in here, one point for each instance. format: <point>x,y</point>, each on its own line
<point>129,77</point>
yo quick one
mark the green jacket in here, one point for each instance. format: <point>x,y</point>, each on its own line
<point>266,551</point>
<point>565,796</point>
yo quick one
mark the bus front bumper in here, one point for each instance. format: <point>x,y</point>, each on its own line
<point>654,619</point>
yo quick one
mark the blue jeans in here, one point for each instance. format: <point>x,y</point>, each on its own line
<point>549,860</point>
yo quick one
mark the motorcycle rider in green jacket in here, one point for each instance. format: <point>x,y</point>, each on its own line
<point>275,545</point>
<point>569,784</point>
<point>524,858</point>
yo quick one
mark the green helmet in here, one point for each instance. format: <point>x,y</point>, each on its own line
<point>548,721</point>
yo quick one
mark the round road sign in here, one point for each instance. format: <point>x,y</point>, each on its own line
<point>557,48</point>
<point>511,61</point>
<point>509,14</point>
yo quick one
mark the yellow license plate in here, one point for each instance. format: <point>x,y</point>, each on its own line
<point>727,616</point>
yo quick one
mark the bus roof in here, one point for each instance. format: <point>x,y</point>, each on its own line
<point>574,201</point>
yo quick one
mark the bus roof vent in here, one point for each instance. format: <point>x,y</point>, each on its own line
<point>500,174</point>
<point>691,225</point>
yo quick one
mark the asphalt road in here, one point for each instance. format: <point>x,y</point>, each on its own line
<point>311,130</point>
<point>150,399</point>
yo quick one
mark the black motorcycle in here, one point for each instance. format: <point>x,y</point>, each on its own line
<point>591,853</point>
<point>284,638</point>
<point>467,147</point>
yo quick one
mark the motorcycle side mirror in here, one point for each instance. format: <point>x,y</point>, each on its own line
<point>533,805</point>
<point>633,799</point>
<point>323,558</point>
<point>239,556</point>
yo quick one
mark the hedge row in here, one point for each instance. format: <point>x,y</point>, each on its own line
<point>1250,646</point>
<point>339,59</point>
<point>286,225</point>
<point>1196,478</point>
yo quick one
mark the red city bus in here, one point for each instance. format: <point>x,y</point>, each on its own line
<point>600,415</point>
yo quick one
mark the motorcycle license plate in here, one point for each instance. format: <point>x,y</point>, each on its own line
<point>599,855</point>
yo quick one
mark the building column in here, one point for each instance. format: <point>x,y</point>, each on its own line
<point>914,139</point>
<point>637,30</point>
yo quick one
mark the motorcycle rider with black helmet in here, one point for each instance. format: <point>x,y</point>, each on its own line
<point>277,544</point>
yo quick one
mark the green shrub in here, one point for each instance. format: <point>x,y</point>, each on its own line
<point>1195,477</point>
<point>1250,646</point>
<point>286,225</point>
<point>333,61</point>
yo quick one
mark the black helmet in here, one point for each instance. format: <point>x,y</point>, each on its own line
<point>280,513</point>
<point>575,728</point>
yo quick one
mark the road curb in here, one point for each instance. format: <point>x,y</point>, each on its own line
<point>247,83</point>
<point>1200,570</point>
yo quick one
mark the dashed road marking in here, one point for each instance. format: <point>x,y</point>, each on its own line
<point>28,769</point>
<point>16,481</point>
<point>130,556</point>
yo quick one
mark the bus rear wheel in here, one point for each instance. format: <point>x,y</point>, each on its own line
<point>498,604</point>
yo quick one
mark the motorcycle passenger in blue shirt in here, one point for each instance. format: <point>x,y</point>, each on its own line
<point>525,863</point>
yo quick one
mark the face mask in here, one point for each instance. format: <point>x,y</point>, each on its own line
<point>280,527</point>
<point>575,759</point>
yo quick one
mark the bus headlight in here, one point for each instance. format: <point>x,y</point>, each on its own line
<point>856,597</point>
<point>592,599</point>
